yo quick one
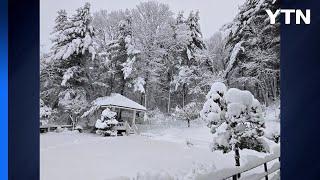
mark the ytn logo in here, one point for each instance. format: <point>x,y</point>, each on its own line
<point>287,15</point>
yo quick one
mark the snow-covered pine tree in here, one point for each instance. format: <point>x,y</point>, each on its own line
<point>188,75</point>
<point>173,40</point>
<point>121,53</point>
<point>106,123</point>
<point>72,50</point>
<point>132,52</point>
<point>216,52</point>
<point>50,80</point>
<point>106,25</point>
<point>60,37</point>
<point>254,44</point>
<point>50,70</point>
<point>235,119</point>
<point>214,109</point>
<point>197,42</point>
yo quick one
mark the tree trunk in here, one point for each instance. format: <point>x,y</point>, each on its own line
<point>111,85</point>
<point>169,101</point>
<point>145,99</point>
<point>188,122</point>
<point>169,93</point>
<point>145,92</point>
<point>184,95</point>
<point>182,99</point>
<point>74,120</point>
<point>123,85</point>
<point>237,158</point>
<point>141,98</point>
<point>275,87</point>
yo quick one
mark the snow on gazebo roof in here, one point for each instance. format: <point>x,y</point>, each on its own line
<point>119,101</point>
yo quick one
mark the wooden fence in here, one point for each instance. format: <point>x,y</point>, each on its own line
<point>48,128</point>
<point>257,176</point>
<point>233,173</point>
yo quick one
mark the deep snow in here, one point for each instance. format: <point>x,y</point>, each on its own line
<point>86,156</point>
<point>165,149</point>
<point>180,153</point>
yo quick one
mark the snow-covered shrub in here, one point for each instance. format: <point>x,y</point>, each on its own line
<point>158,120</point>
<point>59,129</point>
<point>47,114</point>
<point>214,108</point>
<point>235,119</point>
<point>272,131</point>
<point>107,121</point>
<point>272,115</point>
<point>79,128</point>
<point>155,116</point>
<point>73,102</point>
<point>188,113</point>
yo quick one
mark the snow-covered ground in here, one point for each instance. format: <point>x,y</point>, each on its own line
<point>86,156</point>
<point>161,153</point>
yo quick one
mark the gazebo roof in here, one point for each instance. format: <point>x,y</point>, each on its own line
<point>118,101</point>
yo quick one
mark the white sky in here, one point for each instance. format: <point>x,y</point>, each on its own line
<point>213,13</point>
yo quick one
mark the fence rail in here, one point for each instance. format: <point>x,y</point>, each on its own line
<point>48,128</point>
<point>258,176</point>
<point>233,173</point>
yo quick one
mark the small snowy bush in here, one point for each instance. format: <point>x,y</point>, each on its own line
<point>214,108</point>
<point>47,114</point>
<point>156,116</point>
<point>188,113</point>
<point>235,119</point>
<point>107,121</point>
<point>272,131</point>
<point>79,128</point>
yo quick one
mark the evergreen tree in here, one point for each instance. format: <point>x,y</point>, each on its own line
<point>72,54</point>
<point>197,42</point>
<point>188,76</point>
<point>60,37</point>
<point>254,45</point>
<point>235,119</point>
<point>121,54</point>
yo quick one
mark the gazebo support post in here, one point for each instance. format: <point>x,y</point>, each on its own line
<point>134,117</point>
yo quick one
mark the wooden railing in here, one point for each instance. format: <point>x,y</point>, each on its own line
<point>48,128</point>
<point>135,128</point>
<point>232,173</point>
<point>274,168</point>
<point>128,127</point>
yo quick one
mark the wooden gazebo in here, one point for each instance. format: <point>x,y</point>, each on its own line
<point>118,102</point>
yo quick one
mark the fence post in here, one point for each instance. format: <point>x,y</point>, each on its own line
<point>234,177</point>
<point>266,170</point>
